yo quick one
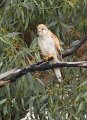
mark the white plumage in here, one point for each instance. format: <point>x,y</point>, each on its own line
<point>49,46</point>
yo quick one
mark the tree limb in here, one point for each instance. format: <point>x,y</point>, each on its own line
<point>76,47</point>
<point>12,75</point>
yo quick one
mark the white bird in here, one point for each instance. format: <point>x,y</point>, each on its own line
<point>49,45</point>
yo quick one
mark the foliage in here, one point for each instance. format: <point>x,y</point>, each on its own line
<point>18,48</point>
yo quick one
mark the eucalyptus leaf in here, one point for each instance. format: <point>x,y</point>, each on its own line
<point>44,100</point>
<point>3,101</point>
<point>49,116</point>
<point>41,82</point>
<point>15,105</point>
<point>13,34</point>
<point>80,107</point>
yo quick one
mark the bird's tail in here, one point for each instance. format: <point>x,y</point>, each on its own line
<point>57,70</point>
<point>58,74</point>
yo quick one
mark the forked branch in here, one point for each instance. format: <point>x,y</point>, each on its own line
<point>12,75</point>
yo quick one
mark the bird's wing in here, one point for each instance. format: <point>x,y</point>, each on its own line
<point>56,41</point>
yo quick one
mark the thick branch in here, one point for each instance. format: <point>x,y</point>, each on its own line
<point>13,74</point>
<point>76,47</point>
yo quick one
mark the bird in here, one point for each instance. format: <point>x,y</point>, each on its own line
<point>50,47</point>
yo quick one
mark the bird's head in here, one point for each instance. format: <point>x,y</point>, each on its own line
<point>42,30</point>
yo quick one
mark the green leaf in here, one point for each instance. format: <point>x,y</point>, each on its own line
<point>26,22</point>
<point>44,97</point>
<point>3,40</point>
<point>15,104</point>
<point>43,107</point>
<point>82,84</point>
<point>22,13</point>
<point>49,116</point>
<point>22,101</point>
<point>31,102</point>
<point>3,101</point>
<point>36,3</point>
<point>34,44</point>
<point>80,107</point>
<point>13,34</point>
<point>51,2</point>
<point>71,4</point>
<point>27,5</point>
<point>76,100</point>
<point>51,100</point>
<point>66,25</point>
<point>84,95</point>
<point>5,109</point>
<point>52,24</point>
<point>8,91</point>
<point>1,63</point>
<point>40,81</point>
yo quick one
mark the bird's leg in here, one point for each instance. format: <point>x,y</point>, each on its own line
<point>49,57</point>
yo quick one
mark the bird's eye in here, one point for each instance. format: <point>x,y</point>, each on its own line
<point>42,28</point>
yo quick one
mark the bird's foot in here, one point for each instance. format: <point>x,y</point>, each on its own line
<point>48,58</point>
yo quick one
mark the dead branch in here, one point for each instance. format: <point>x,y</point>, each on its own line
<point>12,75</point>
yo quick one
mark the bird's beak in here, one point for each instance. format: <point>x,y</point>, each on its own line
<point>39,30</point>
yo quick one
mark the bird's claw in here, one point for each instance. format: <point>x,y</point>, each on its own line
<point>50,57</point>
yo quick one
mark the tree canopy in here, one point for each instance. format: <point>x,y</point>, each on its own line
<point>38,92</point>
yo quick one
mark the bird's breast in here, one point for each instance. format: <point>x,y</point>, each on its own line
<point>47,46</point>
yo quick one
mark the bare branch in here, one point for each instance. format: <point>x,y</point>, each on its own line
<point>12,75</point>
<point>76,47</point>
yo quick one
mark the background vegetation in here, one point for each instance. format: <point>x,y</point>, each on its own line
<point>18,48</point>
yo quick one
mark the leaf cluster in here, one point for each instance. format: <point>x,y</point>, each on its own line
<point>36,93</point>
